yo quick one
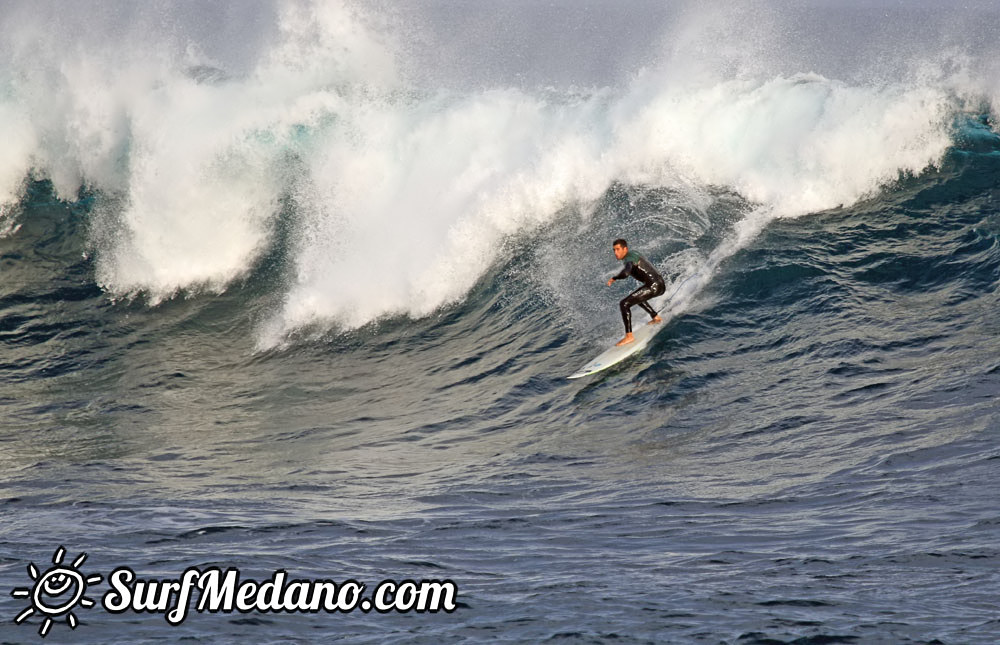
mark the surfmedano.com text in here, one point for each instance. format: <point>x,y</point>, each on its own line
<point>225,592</point>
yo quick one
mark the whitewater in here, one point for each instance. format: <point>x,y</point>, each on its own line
<point>296,285</point>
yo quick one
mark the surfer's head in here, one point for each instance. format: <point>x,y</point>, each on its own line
<point>620,247</point>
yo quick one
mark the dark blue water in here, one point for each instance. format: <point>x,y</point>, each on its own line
<point>806,453</point>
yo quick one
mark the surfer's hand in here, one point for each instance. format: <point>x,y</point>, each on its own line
<point>610,281</point>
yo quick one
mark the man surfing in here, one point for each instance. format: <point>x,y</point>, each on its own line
<point>652,285</point>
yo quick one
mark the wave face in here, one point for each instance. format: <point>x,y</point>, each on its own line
<point>297,285</point>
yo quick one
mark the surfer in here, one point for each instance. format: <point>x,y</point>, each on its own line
<point>652,285</point>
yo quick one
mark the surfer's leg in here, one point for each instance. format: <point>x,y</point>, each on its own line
<point>641,297</point>
<point>637,297</point>
<point>647,293</point>
<point>626,307</point>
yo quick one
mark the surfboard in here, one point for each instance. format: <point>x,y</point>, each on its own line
<point>643,334</point>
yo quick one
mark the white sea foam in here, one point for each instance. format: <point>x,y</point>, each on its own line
<point>406,194</point>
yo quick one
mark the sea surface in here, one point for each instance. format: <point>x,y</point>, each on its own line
<point>293,286</point>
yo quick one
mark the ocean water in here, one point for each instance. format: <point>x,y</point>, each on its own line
<point>296,286</point>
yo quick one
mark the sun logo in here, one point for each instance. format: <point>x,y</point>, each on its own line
<point>56,592</point>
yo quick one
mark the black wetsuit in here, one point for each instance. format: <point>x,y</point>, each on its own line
<point>652,285</point>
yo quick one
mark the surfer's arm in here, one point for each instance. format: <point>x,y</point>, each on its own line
<point>624,273</point>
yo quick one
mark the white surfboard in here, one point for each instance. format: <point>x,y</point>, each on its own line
<point>643,333</point>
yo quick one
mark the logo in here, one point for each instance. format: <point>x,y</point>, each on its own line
<point>60,589</point>
<point>56,592</point>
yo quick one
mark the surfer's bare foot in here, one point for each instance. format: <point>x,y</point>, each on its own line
<point>655,320</point>
<point>629,338</point>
